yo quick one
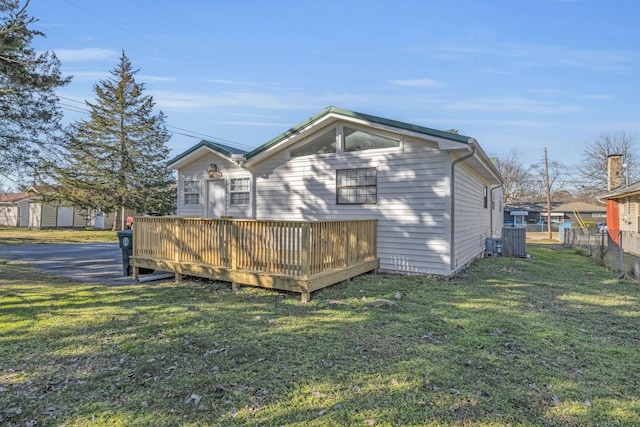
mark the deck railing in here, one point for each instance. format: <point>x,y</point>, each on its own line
<point>290,248</point>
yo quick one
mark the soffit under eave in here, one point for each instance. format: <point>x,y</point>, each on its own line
<point>606,197</point>
<point>333,118</point>
<point>295,137</point>
<point>195,155</point>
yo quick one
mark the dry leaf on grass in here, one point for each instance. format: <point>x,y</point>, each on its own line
<point>382,302</point>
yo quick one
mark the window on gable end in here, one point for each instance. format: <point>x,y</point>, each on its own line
<point>323,144</point>
<point>357,140</point>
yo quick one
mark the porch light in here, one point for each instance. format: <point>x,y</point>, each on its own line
<point>213,171</point>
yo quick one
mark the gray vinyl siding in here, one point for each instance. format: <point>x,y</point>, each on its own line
<point>197,170</point>
<point>412,200</point>
<point>49,216</point>
<point>79,218</point>
<point>472,219</point>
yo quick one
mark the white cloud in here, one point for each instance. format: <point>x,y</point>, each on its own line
<point>598,97</point>
<point>230,82</point>
<point>550,56</point>
<point>256,123</point>
<point>95,76</point>
<point>289,100</point>
<point>88,75</point>
<point>513,104</point>
<point>142,78</point>
<point>417,83</point>
<point>87,54</point>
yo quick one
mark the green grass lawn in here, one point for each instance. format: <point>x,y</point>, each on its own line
<point>552,340</point>
<point>23,236</point>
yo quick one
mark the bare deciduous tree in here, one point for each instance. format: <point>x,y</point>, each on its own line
<point>515,175</point>
<point>592,169</point>
<point>558,178</point>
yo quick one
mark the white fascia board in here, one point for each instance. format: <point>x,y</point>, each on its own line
<point>486,161</point>
<point>293,138</point>
<point>443,143</point>
<point>194,155</point>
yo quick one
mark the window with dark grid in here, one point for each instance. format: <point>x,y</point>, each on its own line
<point>357,186</point>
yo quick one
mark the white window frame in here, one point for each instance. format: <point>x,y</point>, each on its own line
<point>244,190</point>
<point>196,190</point>
<point>357,185</point>
<point>373,132</point>
<point>339,128</point>
<point>313,138</point>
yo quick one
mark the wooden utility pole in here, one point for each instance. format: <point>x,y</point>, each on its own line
<point>546,175</point>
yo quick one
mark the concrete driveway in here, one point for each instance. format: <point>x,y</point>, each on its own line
<point>84,262</point>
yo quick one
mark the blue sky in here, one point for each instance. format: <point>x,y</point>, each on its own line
<point>524,74</point>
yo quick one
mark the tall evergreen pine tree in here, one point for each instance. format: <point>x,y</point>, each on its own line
<point>117,158</point>
<point>29,114</point>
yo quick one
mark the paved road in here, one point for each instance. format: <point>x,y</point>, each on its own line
<point>84,262</point>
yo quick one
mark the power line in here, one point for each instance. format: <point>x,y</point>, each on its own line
<point>190,134</point>
<point>190,26</point>
<point>212,41</point>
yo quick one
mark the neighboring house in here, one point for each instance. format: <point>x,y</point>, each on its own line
<point>576,212</point>
<point>14,209</point>
<point>623,202</point>
<point>436,195</point>
<point>29,210</point>
<point>523,214</point>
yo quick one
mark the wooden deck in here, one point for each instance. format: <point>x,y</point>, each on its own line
<point>298,256</point>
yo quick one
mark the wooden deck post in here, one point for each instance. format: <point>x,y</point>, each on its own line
<point>178,248</point>
<point>305,259</point>
<point>233,253</point>
<point>346,227</point>
<point>305,297</point>
<point>177,241</point>
<point>304,251</point>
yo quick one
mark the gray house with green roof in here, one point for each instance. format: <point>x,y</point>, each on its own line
<point>436,195</point>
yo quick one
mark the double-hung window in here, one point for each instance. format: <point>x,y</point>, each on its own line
<point>239,191</point>
<point>357,186</point>
<point>192,192</point>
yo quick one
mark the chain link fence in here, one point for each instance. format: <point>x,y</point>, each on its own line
<point>619,250</point>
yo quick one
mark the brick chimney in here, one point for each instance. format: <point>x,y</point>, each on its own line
<point>614,171</point>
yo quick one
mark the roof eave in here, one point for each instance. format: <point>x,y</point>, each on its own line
<point>206,146</point>
<point>446,141</point>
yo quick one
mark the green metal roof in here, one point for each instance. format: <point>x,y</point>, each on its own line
<point>220,148</point>
<point>228,151</point>
<point>352,114</point>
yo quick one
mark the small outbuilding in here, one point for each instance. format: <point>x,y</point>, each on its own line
<point>14,209</point>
